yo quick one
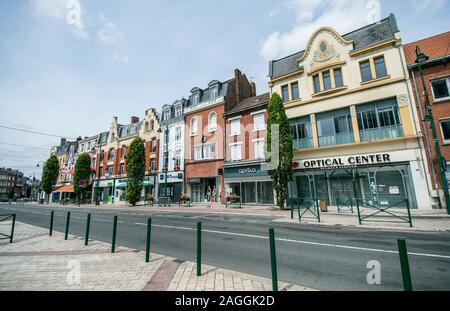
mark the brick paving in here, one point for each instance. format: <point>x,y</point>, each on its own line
<point>38,262</point>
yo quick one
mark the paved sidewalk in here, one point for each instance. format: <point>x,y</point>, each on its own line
<point>38,262</point>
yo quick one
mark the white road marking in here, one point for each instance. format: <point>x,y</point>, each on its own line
<point>284,240</point>
<point>301,242</point>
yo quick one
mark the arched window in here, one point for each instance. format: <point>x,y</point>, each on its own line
<point>212,122</point>
<point>146,127</point>
<point>152,125</point>
<point>194,126</point>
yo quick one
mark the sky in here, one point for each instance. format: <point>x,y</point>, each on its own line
<point>68,66</point>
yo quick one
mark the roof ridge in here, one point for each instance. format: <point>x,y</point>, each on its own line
<point>349,33</point>
<point>427,38</point>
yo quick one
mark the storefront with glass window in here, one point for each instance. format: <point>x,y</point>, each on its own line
<point>250,182</point>
<point>376,179</point>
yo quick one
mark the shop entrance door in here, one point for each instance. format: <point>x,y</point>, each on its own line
<point>344,188</point>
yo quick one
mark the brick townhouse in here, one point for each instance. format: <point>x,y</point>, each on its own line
<point>204,135</point>
<point>244,171</point>
<point>437,81</point>
<point>112,150</point>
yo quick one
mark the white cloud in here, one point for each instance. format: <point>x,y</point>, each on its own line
<point>49,8</point>
<point>110,33</point>
<point>342,15</point>
<point>69,10</point>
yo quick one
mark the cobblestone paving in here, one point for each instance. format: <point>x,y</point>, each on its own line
<point>36,262</point>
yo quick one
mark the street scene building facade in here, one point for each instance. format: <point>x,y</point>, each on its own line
<point>353,119</point>
<point>244,168</point>
<point>111,179</point>
<point>437,82</point>
<point>15,185</point>
<point>353,102</point>
<point>204,135</point>
<point>171,152</point>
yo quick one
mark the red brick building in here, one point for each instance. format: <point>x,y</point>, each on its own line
<point>204,135</point>
<point>244,172</point>
<point>437,81</point>
<point>112,148</point>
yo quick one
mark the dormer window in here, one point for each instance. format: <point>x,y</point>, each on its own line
<point>166,114</point>
<point>196,99</point>
<point>178,111</point>
<point>214,93</point>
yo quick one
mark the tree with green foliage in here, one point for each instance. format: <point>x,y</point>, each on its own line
<point>280,161</point>
<point>50,175</point>
<point>135,162</point>
<point>82,175</point>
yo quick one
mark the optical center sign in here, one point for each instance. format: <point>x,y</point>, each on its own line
<point>345,161</point>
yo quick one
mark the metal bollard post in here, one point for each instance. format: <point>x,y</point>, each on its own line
<point>88,225</point>
<point>273,259</point>
<point>404,263</point>
<point>149,233</point>
<point>113,242</point>
<point>66,235</point>
<point>52,214</point>
<point>12,228</point>
<point>199,249</point>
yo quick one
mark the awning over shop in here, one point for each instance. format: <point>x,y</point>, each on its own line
<point>66,188</point>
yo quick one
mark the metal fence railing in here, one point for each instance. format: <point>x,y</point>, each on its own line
<point>6,217</point>
<point>384,210</point>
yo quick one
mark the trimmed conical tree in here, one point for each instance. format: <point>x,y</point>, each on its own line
<point>82,175</point>
<point>135,162</point>
<point>280,167</point>
<point>50,175</point>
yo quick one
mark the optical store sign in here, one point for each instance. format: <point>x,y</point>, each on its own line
<point>346,161</point>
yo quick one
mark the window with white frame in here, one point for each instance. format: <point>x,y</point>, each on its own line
<point>204,152</point>
<point>235,126</point>
<point>212,122</point>
<point>236,152</point>
<point>214,93</point>
<point>259,122</point>
<point>166,114</point>
<point>445,130</point>
<point>196,99</point>
<point>259,148</point>
<point>194,126</point>
<point>178,111</point>
<point>441,89</point>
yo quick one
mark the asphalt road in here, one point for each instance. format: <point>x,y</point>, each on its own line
<point>322,258</point>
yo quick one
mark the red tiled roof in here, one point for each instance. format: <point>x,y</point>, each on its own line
<point>434,47</point>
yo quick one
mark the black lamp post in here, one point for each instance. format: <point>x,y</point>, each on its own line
<point>420,58</point>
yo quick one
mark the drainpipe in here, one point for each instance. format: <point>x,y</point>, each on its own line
<point>406,73</point>
<point>427,141</point>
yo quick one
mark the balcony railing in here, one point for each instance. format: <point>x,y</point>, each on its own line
<point>338,139</point>
<point>380,133</point>
<point>303,143</point>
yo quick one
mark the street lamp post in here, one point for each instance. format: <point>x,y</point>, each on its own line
<point>97,185</point>
<point>420,58</point>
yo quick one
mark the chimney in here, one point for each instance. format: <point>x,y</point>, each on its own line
<point>134,120</point>
<point>63,141</point>
<point>253,89</point>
